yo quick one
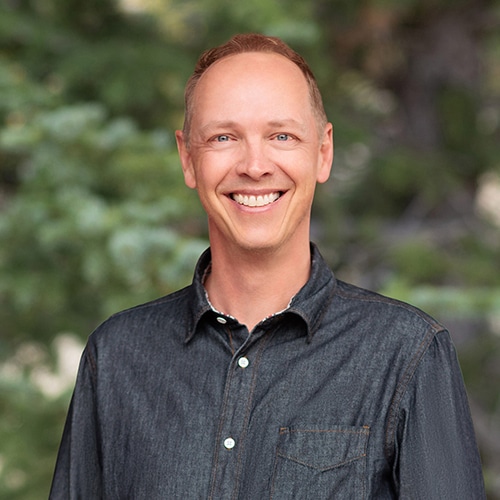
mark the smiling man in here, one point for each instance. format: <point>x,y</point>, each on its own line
<point>255,150</point>
<point>266,377</point>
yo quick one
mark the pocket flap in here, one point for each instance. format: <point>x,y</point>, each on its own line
<point>323,449</point>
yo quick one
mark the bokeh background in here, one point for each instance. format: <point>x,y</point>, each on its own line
<point>94,216</point>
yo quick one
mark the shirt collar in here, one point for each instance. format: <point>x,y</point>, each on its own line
<point>309,303</point>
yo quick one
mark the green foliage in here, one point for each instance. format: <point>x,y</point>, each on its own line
<point>428,263</point>
<point>89,53</point>
<point>28,453</point>
<point>96,207</point>
<point>95,217</point>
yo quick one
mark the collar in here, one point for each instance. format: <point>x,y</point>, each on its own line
<point>310,303</point>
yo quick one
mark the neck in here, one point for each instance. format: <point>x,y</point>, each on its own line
<point>251,286</point>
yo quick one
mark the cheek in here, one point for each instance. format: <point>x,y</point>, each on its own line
<point>212,172</point>
<point>206,186</point>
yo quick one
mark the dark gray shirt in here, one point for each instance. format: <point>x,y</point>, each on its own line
<point>346,394</point>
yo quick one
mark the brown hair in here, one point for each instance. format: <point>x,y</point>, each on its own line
<point>252,42</point>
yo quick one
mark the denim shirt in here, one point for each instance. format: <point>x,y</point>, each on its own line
<point>346,394</point>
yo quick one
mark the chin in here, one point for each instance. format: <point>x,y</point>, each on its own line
<point>261,245</point>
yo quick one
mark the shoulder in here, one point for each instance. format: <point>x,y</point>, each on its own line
<point>383,310</point>
<point>392,328</point>
<point>157,306</point>
<point>365,310</point>
<point>147,320</point>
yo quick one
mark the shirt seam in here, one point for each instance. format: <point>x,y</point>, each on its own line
<point>382,299</point>
<point>401,388</point>
<point>92,365</point>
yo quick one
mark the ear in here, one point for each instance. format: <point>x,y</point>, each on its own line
<point>186,160</point>
<point>325,154</point>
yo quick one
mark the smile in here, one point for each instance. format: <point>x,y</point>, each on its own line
<point>256,201</point>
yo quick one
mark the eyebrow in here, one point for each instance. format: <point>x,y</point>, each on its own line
<point>230,124</point>
<point>215,124</point>
<point>287,122</point>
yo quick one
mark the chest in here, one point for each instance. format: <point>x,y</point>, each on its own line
<point>275,418</point>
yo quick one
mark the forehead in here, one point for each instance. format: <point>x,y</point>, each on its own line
<point>251,74</point>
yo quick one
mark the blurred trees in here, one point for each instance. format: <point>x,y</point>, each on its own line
<point>94,216</point>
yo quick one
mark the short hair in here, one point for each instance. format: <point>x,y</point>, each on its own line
<point>252,42</point>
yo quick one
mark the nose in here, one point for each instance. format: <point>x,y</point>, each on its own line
<point>255,162</point>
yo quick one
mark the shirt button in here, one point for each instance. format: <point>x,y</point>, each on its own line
<point>221,320</point>
<point>243,362</point>
<point>229,443</point>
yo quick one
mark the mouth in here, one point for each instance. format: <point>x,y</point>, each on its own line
<point>260,200</point>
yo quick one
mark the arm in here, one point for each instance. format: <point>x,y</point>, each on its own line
<point>78,472</point>
<point>437,455</point>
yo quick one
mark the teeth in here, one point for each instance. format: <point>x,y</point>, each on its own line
<point>255,201</point>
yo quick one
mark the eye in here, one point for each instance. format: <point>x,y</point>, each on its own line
<point>282,137</point>
<point>221,138</point>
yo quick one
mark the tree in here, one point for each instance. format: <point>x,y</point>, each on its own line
<point>94,216</point>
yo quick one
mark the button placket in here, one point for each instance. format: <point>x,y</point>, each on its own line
<point>237,408</point>
<point>233,423</point>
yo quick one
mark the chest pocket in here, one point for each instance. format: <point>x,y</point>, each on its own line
<point>320,463</point>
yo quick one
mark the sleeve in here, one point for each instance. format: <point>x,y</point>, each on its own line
<point>436,450</point>
<point>78,468</point>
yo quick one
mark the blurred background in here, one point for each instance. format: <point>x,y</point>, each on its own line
<point>94,215</point>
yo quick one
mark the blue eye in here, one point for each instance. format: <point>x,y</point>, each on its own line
<point>282,137</point>
<point>222,138</point>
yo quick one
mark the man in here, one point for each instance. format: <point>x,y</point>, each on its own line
<point>267,377</point>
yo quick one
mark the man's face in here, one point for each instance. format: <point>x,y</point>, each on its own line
<point>255,153</point>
